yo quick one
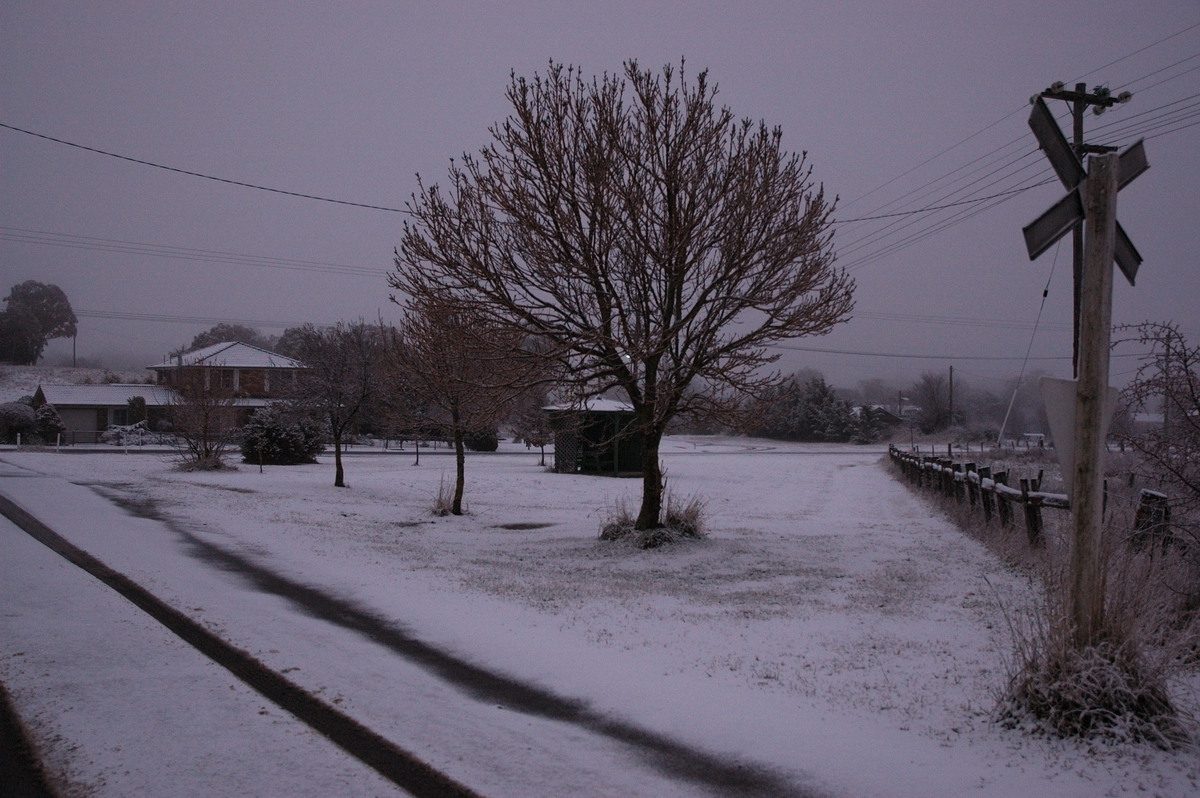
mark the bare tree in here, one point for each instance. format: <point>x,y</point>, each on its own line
<point>340,376</point>
<point>529,421</point>
<point>463,377</point>
<point>650,239</point>
<point>932,394</point>
<point>203,419</point>
<point>1167,379</point>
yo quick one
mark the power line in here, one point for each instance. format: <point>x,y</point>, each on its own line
<point>1127,56</point>
<point>1008,324</point>
<point>171,319</point>
<point>191,173</point>
<point>932,208</point>
<point>909,355</point>
<point>926,188</point>
<point>71,241</point>
<point>965,208</point>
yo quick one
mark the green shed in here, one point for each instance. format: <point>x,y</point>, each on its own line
<point>598,439</point>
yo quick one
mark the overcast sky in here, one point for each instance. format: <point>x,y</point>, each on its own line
<point>901,106</point>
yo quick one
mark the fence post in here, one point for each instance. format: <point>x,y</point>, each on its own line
<point>1002,505</point>
<point>1152,524</point>
<point>985,497</point>
<point>972,487</point>
<point>1033,513</point>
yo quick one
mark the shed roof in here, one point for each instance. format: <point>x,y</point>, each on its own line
<point>231,354</point>
<point>594,405</point>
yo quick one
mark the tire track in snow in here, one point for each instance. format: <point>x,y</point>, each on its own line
<point>670,756</point>
<point>380,754</point>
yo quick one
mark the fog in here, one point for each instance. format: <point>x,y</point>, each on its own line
<point>913,114</point>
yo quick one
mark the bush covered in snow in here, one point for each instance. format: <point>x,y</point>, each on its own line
<point>276,436</point>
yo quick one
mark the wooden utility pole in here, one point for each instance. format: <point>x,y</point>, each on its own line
<point>1095,323</point>
<point>952,396</point>
<point>1091,199</point>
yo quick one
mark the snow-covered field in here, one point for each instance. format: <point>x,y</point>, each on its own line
<point>832,631</point>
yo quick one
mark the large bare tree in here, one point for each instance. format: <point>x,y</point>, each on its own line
<point>651,240</point>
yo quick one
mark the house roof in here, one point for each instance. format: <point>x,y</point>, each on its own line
<point>231,354</point>
<point>119,394</point>
<point>104,395</point>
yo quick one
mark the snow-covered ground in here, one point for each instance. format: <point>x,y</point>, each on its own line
<point>832,633</point>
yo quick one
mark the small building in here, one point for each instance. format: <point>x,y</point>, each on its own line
<point>880,413</point>
<point>597,439</point>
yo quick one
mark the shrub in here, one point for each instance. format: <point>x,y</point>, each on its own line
<point>443,503</point>
<point>1111,690</point>
<point>1115,689</point>
<point>486,441</point>
<point>17,418</point>
<point>275,436</point>
<point>49,425</point>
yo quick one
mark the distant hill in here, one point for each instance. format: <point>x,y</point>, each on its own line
<point>18,381</point>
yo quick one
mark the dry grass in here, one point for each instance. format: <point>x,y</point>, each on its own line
<point>1117,690</point>
<point>443,502</point>
<point>683,519</point>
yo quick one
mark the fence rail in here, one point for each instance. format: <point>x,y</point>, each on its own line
<point>980,489</point>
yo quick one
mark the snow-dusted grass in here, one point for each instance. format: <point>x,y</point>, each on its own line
<point>830,626</point>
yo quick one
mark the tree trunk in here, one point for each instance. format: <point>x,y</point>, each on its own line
<point>339,480</point>
<point>460,471</point>
<point>460,463</point>
<point>652,483</point>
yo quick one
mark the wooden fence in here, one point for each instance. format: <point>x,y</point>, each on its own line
<point>981,490</point>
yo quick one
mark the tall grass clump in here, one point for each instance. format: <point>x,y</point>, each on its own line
<point>683,519</point>
<point>443,502</point>
<point>1116,689</point>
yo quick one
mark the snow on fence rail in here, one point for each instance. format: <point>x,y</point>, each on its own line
<point>981,489</point>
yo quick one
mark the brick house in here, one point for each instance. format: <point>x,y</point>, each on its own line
<point>254,378</point>
<point>247,370</point>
